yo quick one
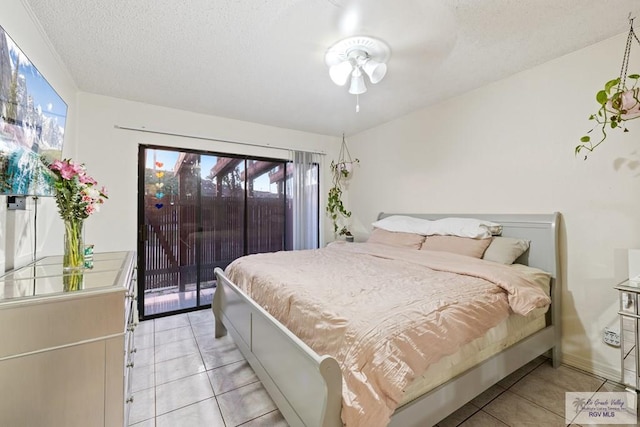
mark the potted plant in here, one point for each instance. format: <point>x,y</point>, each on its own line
<point>616,107</point>
<point>619,101</point>
<point>341,171</point>
<point>346,233</point>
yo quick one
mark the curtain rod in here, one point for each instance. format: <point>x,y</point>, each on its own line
<point>215,139</point>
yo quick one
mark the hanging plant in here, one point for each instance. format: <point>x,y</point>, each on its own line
<point>619,102</point>
<point>341,171</point>
<point>615,109</point>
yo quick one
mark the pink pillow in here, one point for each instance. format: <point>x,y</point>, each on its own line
<point>457,245</point>
<point>505,250</point>
<point>396,238</point>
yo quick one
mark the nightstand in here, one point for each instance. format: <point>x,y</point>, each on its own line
<point>628,292</point>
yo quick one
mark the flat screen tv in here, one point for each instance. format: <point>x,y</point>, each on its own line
<point>32,122</point>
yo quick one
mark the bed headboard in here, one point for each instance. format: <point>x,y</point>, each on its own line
<point>544,252</point>
<point>540,229</point>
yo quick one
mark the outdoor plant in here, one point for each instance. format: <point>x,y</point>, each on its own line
<point>618,104</point>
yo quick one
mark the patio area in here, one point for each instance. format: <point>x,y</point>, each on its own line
<point>157,301</point>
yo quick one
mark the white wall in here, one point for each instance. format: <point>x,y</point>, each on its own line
<point>508,147</point>
<point>111,154</point>
<point>18,228</point>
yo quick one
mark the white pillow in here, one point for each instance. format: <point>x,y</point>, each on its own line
<point>464,227</point>
<point>403,224</point>
<point>461,227</point>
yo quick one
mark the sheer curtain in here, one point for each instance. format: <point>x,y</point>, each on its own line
<point>305,198</point>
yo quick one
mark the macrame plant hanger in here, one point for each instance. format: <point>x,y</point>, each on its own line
<point>625,102</point>
<point>345,156</point>
<point>627,53</point>
<point>345,161</point>
<point>617,108</point>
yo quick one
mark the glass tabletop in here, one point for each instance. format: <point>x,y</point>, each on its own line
<point>46,277</point>
<point>632,285</point>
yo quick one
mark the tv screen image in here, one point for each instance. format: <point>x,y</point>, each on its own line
<point>32,122</point>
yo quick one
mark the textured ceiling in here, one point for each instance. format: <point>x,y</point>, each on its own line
<point>263,60</point>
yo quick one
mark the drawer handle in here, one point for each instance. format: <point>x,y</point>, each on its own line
<point>130,365</point>
<point>134,350</point>
<point>130,295</point>
<point>129,399</point>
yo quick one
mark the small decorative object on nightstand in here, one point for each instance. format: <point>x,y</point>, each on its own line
<point>629,292</point>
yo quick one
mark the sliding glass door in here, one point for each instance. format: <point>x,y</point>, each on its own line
<point>199,211</point>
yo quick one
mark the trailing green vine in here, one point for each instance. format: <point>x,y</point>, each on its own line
<point>615,109</point>
<point>335,207</point>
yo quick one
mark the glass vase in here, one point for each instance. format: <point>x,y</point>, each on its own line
<point>73,280</point>
<point>73,258</point>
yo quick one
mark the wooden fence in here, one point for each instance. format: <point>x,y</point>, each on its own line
<point>174,239</point>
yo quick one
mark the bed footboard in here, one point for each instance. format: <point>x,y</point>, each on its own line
<point>306,387</point>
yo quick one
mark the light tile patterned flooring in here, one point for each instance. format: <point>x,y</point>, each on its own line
<point>183,376</point>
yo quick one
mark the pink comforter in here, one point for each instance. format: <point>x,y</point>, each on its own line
<point>385,314</point>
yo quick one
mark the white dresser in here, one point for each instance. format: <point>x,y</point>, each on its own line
<point>66,356</point>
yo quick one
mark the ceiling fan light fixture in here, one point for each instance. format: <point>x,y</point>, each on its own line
<point>340,73</point>
<point>355,55</point>
<point>358,87</point>
<point>375,70</point>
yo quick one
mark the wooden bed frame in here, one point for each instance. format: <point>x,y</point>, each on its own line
<point>307,387</point>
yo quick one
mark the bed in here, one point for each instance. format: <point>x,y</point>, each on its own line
<point>307,387</point>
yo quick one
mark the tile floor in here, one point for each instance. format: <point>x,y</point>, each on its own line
<point>534,395</point>
<point>183,376</point>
